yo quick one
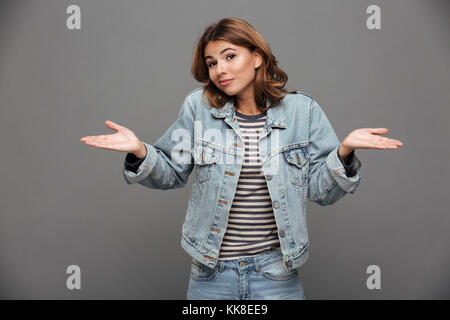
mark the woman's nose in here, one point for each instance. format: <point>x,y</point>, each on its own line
<point>220,67</point>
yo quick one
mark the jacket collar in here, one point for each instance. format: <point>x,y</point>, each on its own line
<point>275,115</point>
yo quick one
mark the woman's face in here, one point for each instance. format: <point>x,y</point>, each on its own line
<point>225,60</point>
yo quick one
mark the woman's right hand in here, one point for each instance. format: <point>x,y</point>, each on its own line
<point>123,140</point>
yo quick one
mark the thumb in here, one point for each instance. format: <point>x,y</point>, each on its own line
<point>112,125</point>
<point>379,130</point>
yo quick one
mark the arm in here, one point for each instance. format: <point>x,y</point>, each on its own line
<point>159,169</point>
<point>327,181</point>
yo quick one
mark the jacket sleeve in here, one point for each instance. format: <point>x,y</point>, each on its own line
<point>168,162</point>
<point>327,180</point>
<point>350,166</point>
<point>132,162</point>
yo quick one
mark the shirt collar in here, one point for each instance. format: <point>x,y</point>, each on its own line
<point>275,116</point>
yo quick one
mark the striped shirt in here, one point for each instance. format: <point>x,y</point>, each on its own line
<point>251,223</point>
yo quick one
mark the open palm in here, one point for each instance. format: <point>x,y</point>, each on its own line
<point>369,138</point>
<point>123,140</point>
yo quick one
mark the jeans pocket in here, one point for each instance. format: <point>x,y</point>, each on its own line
<point>276,272</point>
<point>200,272</point>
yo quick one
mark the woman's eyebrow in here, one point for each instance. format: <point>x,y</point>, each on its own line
<point>206,58</point>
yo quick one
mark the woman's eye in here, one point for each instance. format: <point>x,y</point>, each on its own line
<point>231,55</point>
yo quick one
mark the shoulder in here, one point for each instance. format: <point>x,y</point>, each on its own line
<point>195,102</point>
<point>304,97</point>
<point>195,94</point>
<point>297,102</point>
<point>195,97</point>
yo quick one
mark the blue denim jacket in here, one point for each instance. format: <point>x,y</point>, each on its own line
<point>298,149</point>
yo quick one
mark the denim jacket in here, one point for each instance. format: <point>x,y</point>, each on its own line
<point>298,149</point>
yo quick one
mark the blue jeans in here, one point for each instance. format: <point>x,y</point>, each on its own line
<point>259,277</point>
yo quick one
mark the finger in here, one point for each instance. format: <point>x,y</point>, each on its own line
<point>97,143</point>
<point>393,142</point>
<point>104,138</point>
<point>387,146</point>
<point>112,125</point>
<point>379,130</point>
<point>93,138</point>
<point>389,140</point>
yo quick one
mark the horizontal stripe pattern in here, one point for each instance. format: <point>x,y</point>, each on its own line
<point>251,223</point>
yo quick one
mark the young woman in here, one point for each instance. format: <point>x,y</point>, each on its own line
<point>260,151</point>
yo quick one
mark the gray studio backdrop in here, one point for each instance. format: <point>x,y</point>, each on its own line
<point>64,203</point>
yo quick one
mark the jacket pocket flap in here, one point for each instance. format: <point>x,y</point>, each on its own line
<point>297,156</point>
<point>205,154</point>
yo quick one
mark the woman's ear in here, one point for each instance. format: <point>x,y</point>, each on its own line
<point>258,58</point>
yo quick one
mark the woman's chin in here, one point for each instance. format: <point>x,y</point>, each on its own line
<point>230,92</point>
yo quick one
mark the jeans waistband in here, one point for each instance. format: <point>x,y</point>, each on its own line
<point>256,262</point>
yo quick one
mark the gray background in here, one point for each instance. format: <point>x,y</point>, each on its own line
<point>64,203</point>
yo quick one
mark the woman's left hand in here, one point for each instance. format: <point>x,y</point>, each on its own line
<point>367,138</point>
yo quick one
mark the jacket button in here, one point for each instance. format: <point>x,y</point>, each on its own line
<point>289,263</point>
<point>276,204</point>
<point>269,177</point>
<point>282,234</point>
<point>215,229</point>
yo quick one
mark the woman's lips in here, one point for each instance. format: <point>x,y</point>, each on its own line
<point>225,83</point>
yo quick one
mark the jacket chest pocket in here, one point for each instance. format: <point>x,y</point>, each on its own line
<point>205,157</point>
<point>297,162</point>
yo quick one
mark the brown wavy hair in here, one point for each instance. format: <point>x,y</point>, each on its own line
<point>269,78</point>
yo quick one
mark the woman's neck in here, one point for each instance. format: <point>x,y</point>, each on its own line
<point>249,111</point>
<point>248,108</point>
<point>245,103</point>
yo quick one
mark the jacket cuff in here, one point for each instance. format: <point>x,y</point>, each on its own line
<point>350,167</point>
<point>132,162</point>
<point>338,171</point>
<point>142,167</point>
